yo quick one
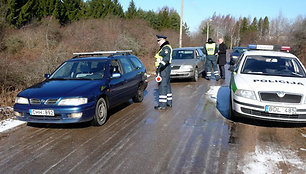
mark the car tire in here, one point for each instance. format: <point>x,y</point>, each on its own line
<point>140,94</point>
<point>204,74</point>
<point>196,75</point>
<point>231,113</point>
<point>100,116</point>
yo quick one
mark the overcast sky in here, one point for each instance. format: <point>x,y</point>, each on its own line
<point>195,11</point>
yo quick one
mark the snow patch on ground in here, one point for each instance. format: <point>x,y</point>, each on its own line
<point>268,161</point>
<point>8,124</point>
<point>303,135</point>
<point>212,93</point>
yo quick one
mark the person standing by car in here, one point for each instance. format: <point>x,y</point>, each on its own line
<point>163,68</point>
<point>222,57</point>
<point>211,51</point>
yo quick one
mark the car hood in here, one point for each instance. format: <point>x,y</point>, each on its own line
<point>270,83</point>
<point>178,62</point>
<point>62,88</point>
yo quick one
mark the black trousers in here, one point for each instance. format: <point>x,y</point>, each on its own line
<point>222,71</point>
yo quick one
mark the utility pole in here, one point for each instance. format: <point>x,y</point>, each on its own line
<point>181,24</point>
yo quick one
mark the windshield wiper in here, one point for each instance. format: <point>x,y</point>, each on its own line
<point>58,79</point>
<point>296,74</point>
<point>80,78</point>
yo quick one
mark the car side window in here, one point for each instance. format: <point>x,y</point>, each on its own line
<point>126,65</point>
<point>115,67</point>
<point>137,64</point>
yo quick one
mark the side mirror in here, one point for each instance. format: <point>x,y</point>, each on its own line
<point>116,75</point>
<point>47,76</point>
<point>231,68</point>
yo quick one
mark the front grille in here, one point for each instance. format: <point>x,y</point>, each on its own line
<point>175,67</point>
<point>51,101</point>
<point>273,115</point>
<point>287,98</point>
<point>35,101</point>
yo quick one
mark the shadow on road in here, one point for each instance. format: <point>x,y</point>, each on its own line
<point>80,125</point>
<point>223,105</point>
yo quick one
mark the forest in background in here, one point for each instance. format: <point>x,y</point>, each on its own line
<point>36,36</point>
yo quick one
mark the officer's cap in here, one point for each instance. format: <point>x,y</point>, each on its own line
<point>161,37</point>
<point>210,40</point>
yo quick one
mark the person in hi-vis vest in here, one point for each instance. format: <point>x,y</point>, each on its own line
<point>211,51</point>
<point>162,63</point>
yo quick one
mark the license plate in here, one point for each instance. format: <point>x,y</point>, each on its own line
<point>41,112</point>
<point>280,110</point>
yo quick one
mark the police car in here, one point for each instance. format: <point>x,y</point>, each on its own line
<point>268,83</point>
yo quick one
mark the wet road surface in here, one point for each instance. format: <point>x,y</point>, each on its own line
<point>193,137</point>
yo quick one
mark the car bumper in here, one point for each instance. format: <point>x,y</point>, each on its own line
<point>181,74</point>
<point>62,115</point>
<point>256,110</point>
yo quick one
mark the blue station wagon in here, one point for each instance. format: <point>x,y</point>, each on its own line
<point>83,89</point>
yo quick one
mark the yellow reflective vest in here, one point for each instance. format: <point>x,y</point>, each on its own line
<point>210,48</point>
<point>159,58</point>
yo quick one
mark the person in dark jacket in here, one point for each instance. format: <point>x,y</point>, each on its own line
<point>222,57</point>
<point>162,63</point>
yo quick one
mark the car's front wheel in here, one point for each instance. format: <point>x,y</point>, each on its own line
<point>139,95</point>
<point>100,113</point>
<point>231,113</point>
<point>196,75</point>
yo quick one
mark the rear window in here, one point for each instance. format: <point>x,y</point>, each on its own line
<point>272,65</point>
<point>183,54</point>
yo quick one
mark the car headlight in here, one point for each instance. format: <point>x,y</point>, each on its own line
<point>186,67</point>
<point>73,101</point>
<point>246,94</point>
<point>235,57</point>
<point>21,100</point>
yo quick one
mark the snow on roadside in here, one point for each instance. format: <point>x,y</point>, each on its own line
<point>8,124</point>
<point>268,161</point>
<point>212,93</point>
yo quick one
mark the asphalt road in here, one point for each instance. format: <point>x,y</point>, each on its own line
<point>194,136</point>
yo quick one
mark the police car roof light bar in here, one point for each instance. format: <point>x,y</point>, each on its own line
<point>285,48</point>
<point>268,47</point>
<point>102,53</point>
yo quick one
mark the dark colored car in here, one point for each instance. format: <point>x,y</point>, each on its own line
<point>237,51</point>
<point>187,62</point>
<point>83,89</point>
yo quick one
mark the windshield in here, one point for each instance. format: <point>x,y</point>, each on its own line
<point>272,65</point>
<point>183,54</point>
<point>80,70</point>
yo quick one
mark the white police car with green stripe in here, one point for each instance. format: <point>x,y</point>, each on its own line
<point>268,84</point>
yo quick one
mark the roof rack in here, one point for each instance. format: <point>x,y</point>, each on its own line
<point>95,53</point>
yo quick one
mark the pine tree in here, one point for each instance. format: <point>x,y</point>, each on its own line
<point>27,12</point>
<point>59,12</point>
<point>265,28</point>
<point>244,25</point>
<point>13,11</point>
<point>254,26</point>
<point>72,8</point>
<point>132,11</point>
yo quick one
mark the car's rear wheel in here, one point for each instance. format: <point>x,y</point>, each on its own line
<point>196,75</point>
<point>100,113</point>
<point>139,95</point>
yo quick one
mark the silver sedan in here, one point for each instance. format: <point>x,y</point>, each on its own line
<point>187,62</point>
